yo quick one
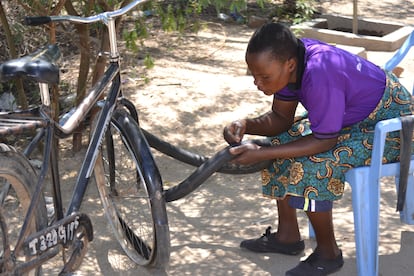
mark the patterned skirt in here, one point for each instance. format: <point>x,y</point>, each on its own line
<point>321,177</point>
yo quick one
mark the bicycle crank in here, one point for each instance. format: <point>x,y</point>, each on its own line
<point>73,233</point>
<point>74,253</point>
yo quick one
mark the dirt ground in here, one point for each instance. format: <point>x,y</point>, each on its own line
<point>199,84</point>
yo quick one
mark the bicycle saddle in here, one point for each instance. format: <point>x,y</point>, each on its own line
<point>40,66</point>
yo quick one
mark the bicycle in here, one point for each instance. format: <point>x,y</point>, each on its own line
<point>118,154</point>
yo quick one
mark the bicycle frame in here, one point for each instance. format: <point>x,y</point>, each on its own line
<point>111,77</point>
<point>97,135</point>
<point>53,131</point>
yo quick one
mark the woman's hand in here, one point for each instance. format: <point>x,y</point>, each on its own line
<point>234,132</point>
<point>247,154</point>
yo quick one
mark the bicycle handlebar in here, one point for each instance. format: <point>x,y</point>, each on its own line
<point>103,17</point>
<point>36,20</point>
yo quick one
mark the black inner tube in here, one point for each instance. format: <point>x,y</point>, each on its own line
<point>220,162</point>
<point>197,160</point>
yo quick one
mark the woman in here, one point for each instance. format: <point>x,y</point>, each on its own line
<point>344,96</point>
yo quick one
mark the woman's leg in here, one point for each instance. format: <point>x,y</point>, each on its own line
<point>287,238</point>
<point>287,229</point>
<point>324,231</point>
<point>326,258</point>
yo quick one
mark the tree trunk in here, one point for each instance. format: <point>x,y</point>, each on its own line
<point>21,96</point>
<point>290,5</point>
<point>83,34</point>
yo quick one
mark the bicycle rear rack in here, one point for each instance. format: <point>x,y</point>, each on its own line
<point>15,126</point>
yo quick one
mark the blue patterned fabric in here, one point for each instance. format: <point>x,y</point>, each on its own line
<point>321,176</point>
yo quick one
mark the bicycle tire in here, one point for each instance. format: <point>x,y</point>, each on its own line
<point>130,187</point>
<point>17,184</point>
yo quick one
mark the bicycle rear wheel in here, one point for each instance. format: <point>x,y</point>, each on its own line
<point>17,184</point>
<point>131,192</point>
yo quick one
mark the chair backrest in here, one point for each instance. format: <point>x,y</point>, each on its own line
<point>377,168</point>
<point>381,130</point>
<point>400,54</point>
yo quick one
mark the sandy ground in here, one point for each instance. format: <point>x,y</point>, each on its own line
<point>195,89</point>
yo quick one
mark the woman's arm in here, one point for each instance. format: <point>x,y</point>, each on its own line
<point>272,123</point>
<point>305,146</point>
<point>278,120</point>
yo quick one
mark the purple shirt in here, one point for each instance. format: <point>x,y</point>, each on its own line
<point>338,88</point>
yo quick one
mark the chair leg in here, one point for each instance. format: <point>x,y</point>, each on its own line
<point>365,203</point>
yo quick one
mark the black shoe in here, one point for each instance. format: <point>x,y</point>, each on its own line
<point>314,265</point>
<point>267,243</point>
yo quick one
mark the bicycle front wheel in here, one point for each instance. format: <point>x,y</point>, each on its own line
<point>131,192</point>
<point>17,184</point>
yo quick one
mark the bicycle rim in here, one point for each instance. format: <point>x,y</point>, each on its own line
<point>128,201</point>
<point>16,187</point>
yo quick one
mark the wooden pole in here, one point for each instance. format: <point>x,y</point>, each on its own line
<point>355,18</point>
